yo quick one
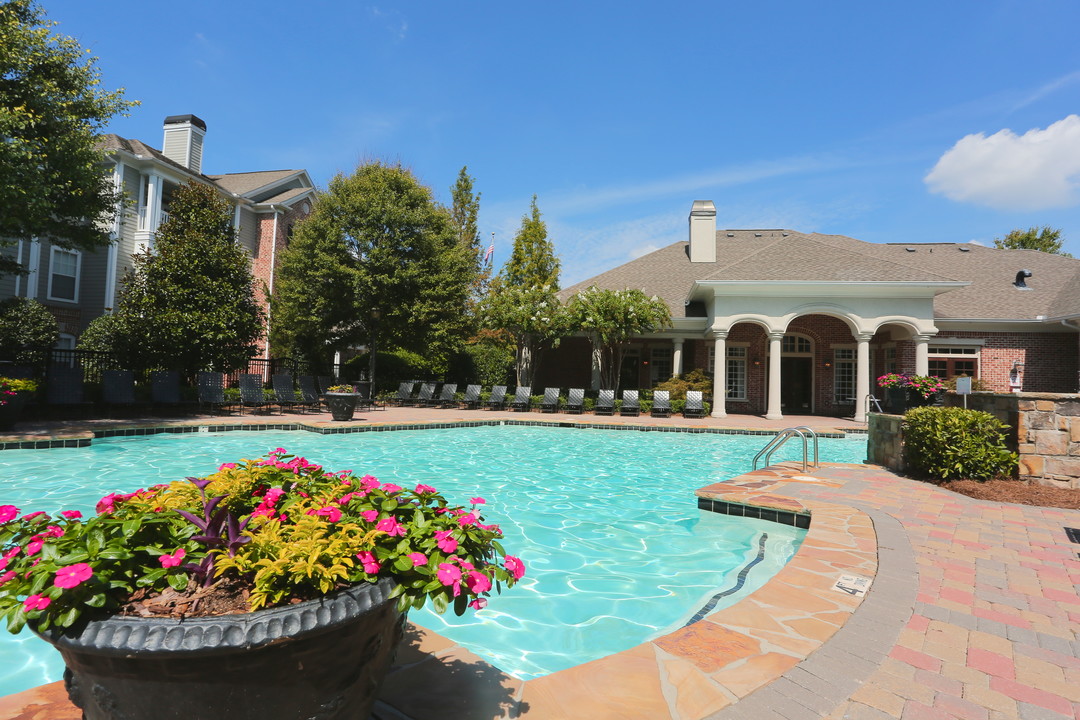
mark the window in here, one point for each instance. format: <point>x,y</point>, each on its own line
<point>795,344</point>
<point>890,359</point>
<point>64,275</point>
<point>843,376</point>
<point>949,361</point>
<point>736,373</point>
<point>660,364</point>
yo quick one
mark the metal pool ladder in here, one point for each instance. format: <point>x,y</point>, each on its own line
<point>802,432</point>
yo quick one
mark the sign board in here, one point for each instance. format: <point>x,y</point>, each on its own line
<point>963,386</point>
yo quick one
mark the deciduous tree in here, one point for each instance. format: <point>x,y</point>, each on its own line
<point>376,263</point>
<point>1045,239</point>
<point>610,319</point>
<point>52,181</point>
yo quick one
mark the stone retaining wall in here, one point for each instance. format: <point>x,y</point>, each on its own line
<point>1044,429</point>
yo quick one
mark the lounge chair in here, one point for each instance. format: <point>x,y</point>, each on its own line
<point>522,398</point>
<point>575,401</point>
<point>118,388</point>
<point>550,403</point>
<point>497,400</point>
<point>325,382</point>
<point>427,392</point>
<point>694,407</point>
<point>251,393</point>
<point>605,403</point>
<point>446,396</point>
<point>471,401</point>
<point>286,394</point>
<point>309,392</point>
<point>165,389</point>
<point>661,403</point>
<point>630,404</point>
<point>403,395</point>
<point>211,387</point>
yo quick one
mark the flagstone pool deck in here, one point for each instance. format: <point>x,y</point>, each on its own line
<point>973,612</point>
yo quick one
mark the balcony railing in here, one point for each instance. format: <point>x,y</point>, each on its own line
<point>144,218</point>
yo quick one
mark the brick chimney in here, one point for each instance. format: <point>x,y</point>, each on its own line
<point>703,232</point>
<point>183,141</point>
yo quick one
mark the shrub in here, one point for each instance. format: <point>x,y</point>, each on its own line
<point>392,368</point>
<point>26,323</point>
<point>693,380</point>
<point>955,443</point>
<point>104,334</point>
<point>492,363</point>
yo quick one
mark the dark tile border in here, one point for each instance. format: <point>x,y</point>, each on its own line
<point>776,515</point>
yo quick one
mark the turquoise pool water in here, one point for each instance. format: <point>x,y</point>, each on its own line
<point>606,522</point>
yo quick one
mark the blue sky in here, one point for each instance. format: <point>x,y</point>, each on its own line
<point>913,122</point>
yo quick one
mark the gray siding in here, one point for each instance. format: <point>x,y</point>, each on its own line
<point>249,231</point>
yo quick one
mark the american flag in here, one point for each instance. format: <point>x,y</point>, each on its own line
<point>490,252</point>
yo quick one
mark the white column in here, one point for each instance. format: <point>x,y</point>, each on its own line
<point>33,268</point>
<point>594,358</point>
<point>719,395</point>
<point>922,355</point>
<point>862,375</point>
<point>773,412</point>
<point>676,356</point>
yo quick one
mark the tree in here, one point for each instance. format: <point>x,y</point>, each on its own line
<point>26,323</point>
<point>189,302</point>
<point>522,299</point>
<point>610,319</point>
<point>378,263</point>
<point>464,213</point>
<point>52,181</point>
<point>1045,239</point>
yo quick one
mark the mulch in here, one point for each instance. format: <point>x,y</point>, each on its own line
<point>1016,491</point>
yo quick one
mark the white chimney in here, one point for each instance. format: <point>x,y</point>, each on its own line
<point>183,141</point>
<point>703,232</point>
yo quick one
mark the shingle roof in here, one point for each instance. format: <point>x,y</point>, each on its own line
<point>111,142</point>
<point>287,195</point>
<point>777,255</point>
<point>243,183</point>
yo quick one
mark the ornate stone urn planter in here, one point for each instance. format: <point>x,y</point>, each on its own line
<point>342,405</point>
<point>321,659</point>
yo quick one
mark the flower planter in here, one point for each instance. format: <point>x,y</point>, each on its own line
<point>897,398</point>
<point>11,411</point>
<point>916,399</point>
<point>322,658</point>
<point>342,405</point>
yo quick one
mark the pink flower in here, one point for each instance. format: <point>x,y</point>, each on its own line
<point>421,489</point>
<point>12,552</point>
<point>466,520</point>
<point>477,501</point>
<point>446,543</point>
<point>7,576</point>
<point>226,466</point>
<point>278,451</point>
<point>72,514</point>
<point>31,516</point>
<point>107,504</point>
<point>36,602</point>
<point>35,544</point>
<point>515,566</point>
<point>478,603</point>
<point>418,559</point>
<point>450,575</point>
<point>390,526</point>
<point>391,488</point>
<point>369,483</point>
<point>168,561</point>
<point>370,515</point>
<point>53,531</point>
<point>73,575</point>
<point>332,514</point>
<point>477,582</point>
<point>367,558</point>
<point>8,513</point>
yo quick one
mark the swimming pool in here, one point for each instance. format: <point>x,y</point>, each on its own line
<point>606,521</point>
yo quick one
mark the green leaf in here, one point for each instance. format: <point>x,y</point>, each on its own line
<point>97,600</point>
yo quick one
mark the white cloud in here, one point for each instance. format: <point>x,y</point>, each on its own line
<point>1034,171</point>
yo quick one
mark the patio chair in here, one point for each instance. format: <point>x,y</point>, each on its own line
<point>404,394</point>
<point>522,398</point>
<point>325,381</point>
<point>575,401</point>
<point>497,400</point>
<point>285,391</point>
<point>211,388</point>
<point>694,407</point>
<point>661,403</point>
<point>251,393</point>
<point>631,406</point>
<point>605,403</point>
<point>446,396</point>
<point>118,388</point>
<point>550,403</point>
<point>64,387</point>
<point>427,392</point>
<point>309,392</point>
<point>471,401</point>
<point>165,390</point>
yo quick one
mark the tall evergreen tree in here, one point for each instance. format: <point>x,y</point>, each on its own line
<point>189,302</point>
<point>52,182</point>
<point>522,300</point>
<point>1045,239</point>
<point>376,263</point>
<point>464,212</point>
